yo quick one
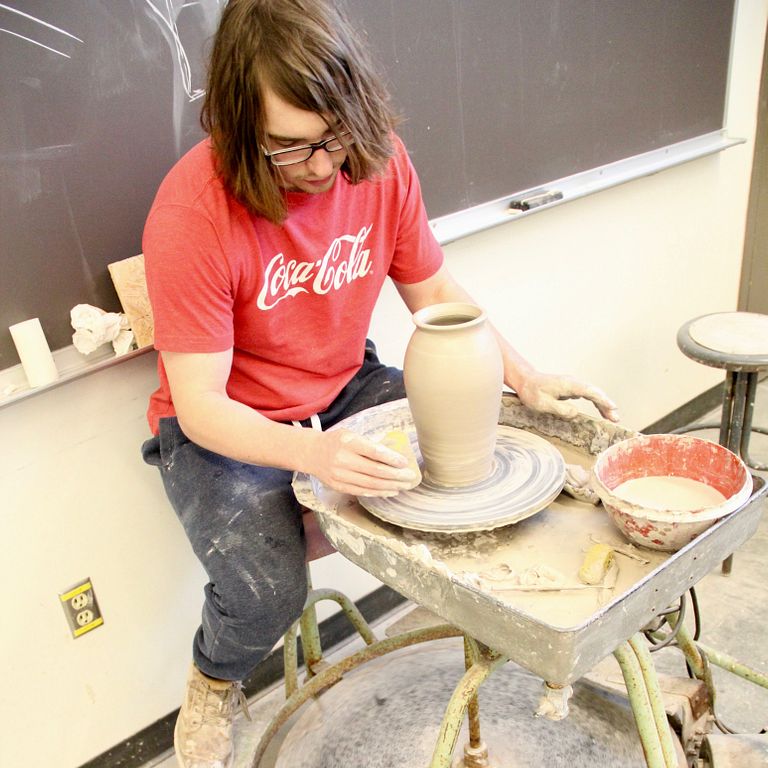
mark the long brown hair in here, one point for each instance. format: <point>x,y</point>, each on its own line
<point>309,55</point>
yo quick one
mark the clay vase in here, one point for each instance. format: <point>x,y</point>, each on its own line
<point>453,376</point>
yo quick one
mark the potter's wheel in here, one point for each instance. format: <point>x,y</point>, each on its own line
<point>527,474</point>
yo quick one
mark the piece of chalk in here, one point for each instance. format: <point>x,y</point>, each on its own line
<point>34,352</point>
<point>536,200</point>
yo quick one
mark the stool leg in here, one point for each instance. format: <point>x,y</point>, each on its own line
<point>732,424</point>
<point>310,632</point>
<point>727,410</point>
<point>290,660</point>
<point>310,640</point>
<point>738,412</point>
<point>749,408</point>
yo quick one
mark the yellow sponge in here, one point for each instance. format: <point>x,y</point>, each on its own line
<point>398,441</point>
<point>596,563</point>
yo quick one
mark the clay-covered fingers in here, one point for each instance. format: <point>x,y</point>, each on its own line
<point>607,408</point>
<point>545,392</point>
<point>359,466</point>
<point>572,389</point>
<point>555,405</point>
<point>549,393</point>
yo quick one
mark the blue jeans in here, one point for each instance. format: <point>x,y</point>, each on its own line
<point>244,524</point>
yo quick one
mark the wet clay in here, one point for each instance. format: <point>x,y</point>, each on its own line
<point>667,492</point>
<point>526,474</point>
<point>453,377</point>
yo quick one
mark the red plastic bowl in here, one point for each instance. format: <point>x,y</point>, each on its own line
<point>664,456</point>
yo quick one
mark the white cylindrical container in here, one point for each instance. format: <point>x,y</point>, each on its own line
<point>34,352</point>
<point>454,375</point>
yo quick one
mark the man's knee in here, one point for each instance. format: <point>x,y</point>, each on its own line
<point>259,608</point>
<point>230,646</point>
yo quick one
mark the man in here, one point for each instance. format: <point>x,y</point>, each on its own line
<point>266,249</point>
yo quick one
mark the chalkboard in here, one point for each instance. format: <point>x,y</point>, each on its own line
<point>504,95</point>
<point>100,98</point>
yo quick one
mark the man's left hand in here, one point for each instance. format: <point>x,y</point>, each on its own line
<point>548,392</point>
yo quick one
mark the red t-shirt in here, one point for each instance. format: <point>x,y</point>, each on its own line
<point>293,301</point>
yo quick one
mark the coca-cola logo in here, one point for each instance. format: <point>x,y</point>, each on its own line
<point>283,279</point>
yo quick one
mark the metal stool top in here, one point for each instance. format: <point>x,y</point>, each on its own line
<point>737,341</point>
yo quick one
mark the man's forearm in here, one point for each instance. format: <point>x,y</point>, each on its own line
<point>516,367</point>
<point>239,432</point>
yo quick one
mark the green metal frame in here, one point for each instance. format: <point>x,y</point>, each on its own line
<point>321,675</point>
<point>634,658</point>
<point>647,704</point>
<point>479,661</point>
<point>699,658</point>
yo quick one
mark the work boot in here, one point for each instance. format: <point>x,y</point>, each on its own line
<point>203,734</point>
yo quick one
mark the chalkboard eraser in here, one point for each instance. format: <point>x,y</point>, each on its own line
<point>535,200</point>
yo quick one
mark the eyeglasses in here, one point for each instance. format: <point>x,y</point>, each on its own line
<point>301,154</point>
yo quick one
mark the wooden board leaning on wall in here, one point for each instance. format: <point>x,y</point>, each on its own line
<point>130,282</point>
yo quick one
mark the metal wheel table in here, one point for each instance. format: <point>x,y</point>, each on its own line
<point>557,635</point>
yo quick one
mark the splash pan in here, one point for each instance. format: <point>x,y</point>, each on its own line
<point>558,636</point>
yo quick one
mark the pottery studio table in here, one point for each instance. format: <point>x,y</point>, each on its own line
<point>467,578</point>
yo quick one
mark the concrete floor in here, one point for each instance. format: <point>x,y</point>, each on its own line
<point>387,712</point>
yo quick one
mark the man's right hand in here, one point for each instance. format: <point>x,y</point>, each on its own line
<point>339,459</point>
<point>351,463</point>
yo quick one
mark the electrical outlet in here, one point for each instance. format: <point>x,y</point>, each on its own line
<point>80,608</point>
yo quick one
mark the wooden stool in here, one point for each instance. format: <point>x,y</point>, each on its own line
<point>737,342</point>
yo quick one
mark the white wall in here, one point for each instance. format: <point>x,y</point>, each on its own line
<point>596,288</point>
